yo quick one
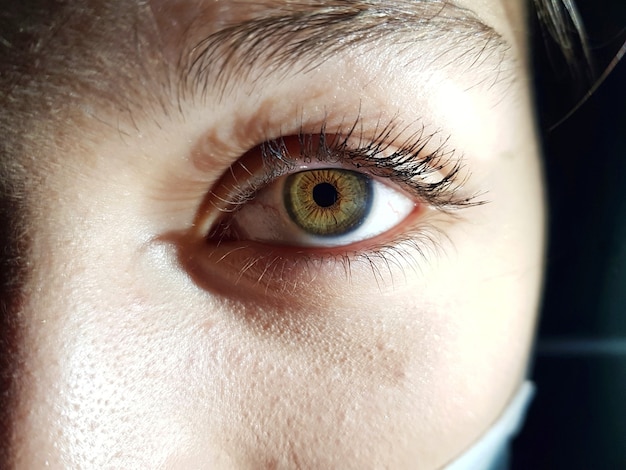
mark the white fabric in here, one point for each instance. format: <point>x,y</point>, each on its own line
<point>490,450</point>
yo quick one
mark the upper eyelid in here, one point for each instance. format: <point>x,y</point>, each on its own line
<point>388,152</point>
<point>382,152</point>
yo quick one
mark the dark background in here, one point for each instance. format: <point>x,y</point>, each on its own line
<point>578,418</point>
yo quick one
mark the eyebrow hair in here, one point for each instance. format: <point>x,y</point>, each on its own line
<point>295,37</point>
<point>87,59</point>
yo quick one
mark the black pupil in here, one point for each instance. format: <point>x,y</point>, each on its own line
<point>325,194</point>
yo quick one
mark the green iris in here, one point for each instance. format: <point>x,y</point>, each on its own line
<point>328,202</point>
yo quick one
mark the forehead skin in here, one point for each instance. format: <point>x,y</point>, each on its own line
<point>135,354</point>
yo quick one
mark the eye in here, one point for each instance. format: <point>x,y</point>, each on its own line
<point>319,207</point>
<point>364,192</point>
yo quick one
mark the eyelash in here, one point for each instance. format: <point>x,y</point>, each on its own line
<point>405,161</point>
<point>407,166</point>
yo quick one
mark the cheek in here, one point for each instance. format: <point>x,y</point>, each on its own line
<point>127,357</point>
<point>131,365</point>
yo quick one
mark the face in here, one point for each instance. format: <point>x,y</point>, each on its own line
<point>278,235</point>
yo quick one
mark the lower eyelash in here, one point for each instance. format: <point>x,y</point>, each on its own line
<point>410,252</point>
<point>283,271</point>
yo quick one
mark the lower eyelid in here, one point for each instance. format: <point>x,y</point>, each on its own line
<point>244,269</point>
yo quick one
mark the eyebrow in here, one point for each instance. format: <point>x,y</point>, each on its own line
<point>295,37</point>
<point>109,62</point>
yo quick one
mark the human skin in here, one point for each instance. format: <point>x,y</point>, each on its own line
<point>145,345</point>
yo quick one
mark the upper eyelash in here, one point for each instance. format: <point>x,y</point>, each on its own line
<point>404,161</point>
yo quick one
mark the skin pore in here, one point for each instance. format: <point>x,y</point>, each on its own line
<point>165,323</point>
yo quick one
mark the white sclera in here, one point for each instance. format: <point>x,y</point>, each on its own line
<point>265,218</point>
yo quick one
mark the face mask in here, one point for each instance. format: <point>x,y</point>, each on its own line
<point>491,451</point>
